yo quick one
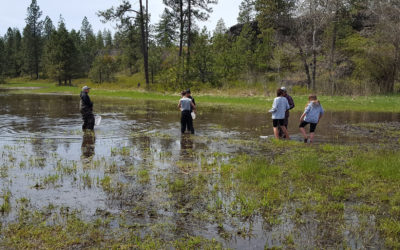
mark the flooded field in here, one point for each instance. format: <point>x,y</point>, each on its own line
<point>137,172</point>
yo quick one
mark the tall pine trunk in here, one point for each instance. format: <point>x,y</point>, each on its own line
<point>35,53</point>
<point>314,46</point>
<point>144,45</point>
<point>332,53</point>
<point>189,36</point>
<point>182,25</point>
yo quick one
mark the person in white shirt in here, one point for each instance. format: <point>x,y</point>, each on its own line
<point>278,110</point>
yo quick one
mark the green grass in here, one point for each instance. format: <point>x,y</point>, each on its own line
<point>32,232</point>
<point>390,103</point>
<point>324,180</point>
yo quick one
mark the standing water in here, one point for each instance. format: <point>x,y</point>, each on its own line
<point>137,164</point>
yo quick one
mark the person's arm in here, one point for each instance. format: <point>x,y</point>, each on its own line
<point>287,105</point>
<point>274,106</point>
<point>302,117</point>
<point>179,104</point>
<point>306,111</point>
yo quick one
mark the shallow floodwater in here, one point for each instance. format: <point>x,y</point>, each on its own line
<point>138,164</point>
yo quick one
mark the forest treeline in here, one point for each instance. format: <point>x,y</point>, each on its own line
<point>329,46</point>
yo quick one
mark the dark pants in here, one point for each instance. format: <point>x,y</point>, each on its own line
<point>88,120</point>
<point>285,123</point>
<point>186,121</point>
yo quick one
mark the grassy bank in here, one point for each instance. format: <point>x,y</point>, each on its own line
<point>381,103</point>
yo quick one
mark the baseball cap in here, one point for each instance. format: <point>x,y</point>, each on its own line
<point>85,88</point>
<point>283,88</point>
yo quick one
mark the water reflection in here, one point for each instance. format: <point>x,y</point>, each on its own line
<point>88,145</point>
<point>186,146</point>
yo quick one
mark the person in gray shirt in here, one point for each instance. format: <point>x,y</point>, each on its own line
<point>186,106</point>
<point>278,110</point>
<point>312,115</point>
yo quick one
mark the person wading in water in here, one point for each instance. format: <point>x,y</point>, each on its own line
<point>186,106</point>
<point>291,105</point>
<point>191,98</point>
<point>278,111</point>
<point>86,108</point>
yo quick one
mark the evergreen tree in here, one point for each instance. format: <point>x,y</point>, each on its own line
<point>196,9</point>
<point>99,41</point>
<point>13,55</point>
<point>103,69</point>
<point>18,54</point>
<point>165,30</point>
<point>9,52</point>
<point>203,59</point>
<point>88,47</point>
<point>176,11</point>
<point>2,60</point>
<point>33,32</point>
<point>222,51</point>
<point>220,28</point>
<point>108,40</point>
<point>247,11</point>
<point>60,55</point>
<point>128,42</point>
<point>122,14</point>
<point>78,65</point>
<point>48,28</point>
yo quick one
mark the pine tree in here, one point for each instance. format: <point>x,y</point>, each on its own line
<point>122,15</point>
<point>9,52</point>
<point>203,59</point>
<point>99,41</point>
<point>222,51</point>
<point>33,31</point>
<point>88,48</point>
<point>247,11</point>
<point>196,9</point>
<point>103,69</point>
<point>48,28</point>
<point>176,11</point>
<point>60,55</point>
<point>220,28</point>
<point>2,60</point>
<point>77,66</point>
<point>165,30</point>
<point>108,40</point>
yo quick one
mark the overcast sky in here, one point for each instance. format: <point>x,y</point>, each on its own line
<point>13,12</point>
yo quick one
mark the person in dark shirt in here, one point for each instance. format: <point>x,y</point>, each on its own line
<point>191,110</point>
<point>86,108</point>
<point>190,97</point>
<point>291,105</point>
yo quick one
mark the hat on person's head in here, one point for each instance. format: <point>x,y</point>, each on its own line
<point>188,91</point>
<point>85,88</point>
<point>283,88</point>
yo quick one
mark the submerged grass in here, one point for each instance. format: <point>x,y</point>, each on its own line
<point>322,181</point>
<point>36,230</point>
<point>389,103</point>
